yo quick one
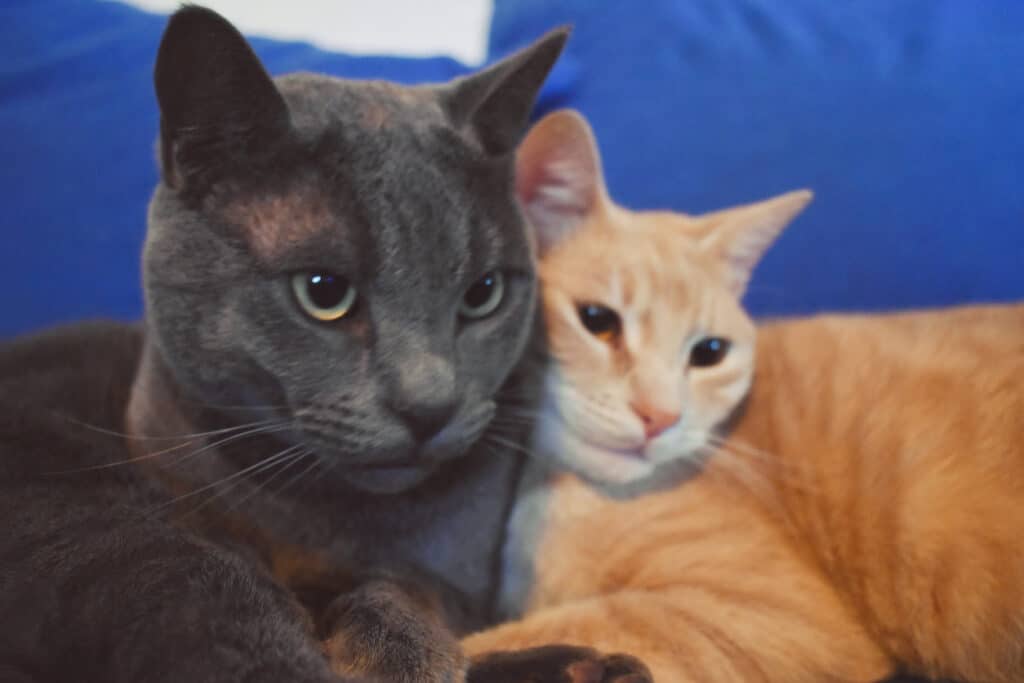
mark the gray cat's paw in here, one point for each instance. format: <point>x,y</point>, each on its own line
<point>557,664</point>
<point>381,632</point>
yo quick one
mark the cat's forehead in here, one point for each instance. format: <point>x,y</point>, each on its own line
<point>317,102</point>
<point>316,222</point>
<point>377,184</point>
<point>277,220</point>
<point>630,260</point>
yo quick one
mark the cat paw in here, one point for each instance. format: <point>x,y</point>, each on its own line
<point>379,632</point>
<point>557,664</point>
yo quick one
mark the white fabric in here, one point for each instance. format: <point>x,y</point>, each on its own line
<point>412,28</point>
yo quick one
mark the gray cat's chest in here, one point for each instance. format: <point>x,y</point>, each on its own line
<point>527,519</point>
<point>451,529</point>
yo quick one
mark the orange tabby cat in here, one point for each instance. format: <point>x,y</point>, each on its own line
<point>865,514</point>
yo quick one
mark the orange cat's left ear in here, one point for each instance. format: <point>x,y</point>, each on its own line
<point>739,236</point>
<point>558,176</point>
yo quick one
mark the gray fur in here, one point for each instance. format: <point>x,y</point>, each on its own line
<point>407,192</point>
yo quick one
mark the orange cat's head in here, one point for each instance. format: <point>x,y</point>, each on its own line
<point>650,348</point>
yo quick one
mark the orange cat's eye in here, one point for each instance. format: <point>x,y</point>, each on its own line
<point>600,321</point>
<point>709,351</point>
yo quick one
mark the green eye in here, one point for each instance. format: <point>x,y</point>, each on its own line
<point>600,321</point>
<point>324,296</point>
<point>483,297</point>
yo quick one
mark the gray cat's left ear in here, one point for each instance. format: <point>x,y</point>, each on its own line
<point>494,105</point>
<point>739,236</point>
<point>219,107</point>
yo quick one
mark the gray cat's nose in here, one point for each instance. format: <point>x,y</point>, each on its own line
<point>424,395</point>
<point>426,420</point>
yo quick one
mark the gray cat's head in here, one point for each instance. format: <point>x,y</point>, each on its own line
<point>345,254</point>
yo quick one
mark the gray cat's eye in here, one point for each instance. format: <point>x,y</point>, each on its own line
<point>323,296</point>
<point>484,296</point>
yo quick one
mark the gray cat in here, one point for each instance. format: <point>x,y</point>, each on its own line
<point>314,474</point>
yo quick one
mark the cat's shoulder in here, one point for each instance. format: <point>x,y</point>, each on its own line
<point>97,352</point>
<point>83,371</point>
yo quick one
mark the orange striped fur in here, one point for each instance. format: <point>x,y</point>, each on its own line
<point>864,513</point>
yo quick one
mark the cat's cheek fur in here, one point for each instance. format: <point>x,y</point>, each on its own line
<point>554,441</point>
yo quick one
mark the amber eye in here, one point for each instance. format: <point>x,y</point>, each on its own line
<point>709,351</point>
<point>323,296</point>
<point>483,297</point>
<point>600,321</point>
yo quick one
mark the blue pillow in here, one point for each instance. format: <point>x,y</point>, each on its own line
<point>905,118</point>
<point>78,121</point>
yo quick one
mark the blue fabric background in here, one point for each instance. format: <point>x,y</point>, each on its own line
<point>78,123</point>
<point>905,118</point>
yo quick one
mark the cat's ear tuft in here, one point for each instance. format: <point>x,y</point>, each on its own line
<point>739,236</point>
<point>558,176</point>
<point>494,105</point>
<point>217,102</point>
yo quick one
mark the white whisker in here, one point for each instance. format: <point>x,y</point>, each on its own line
<point>285,463</point>
<point>244,472</point>
<point>501,441</point>
<point>163,437</point>
<point>291,482</point>
<point>251,429</point>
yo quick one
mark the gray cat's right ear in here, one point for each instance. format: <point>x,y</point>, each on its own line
<point>494,105</point>
<point>218,105</point>
<point>558,176</point>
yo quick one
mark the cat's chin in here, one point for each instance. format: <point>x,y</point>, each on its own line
<point>386,480</point>
<point>608,467</point>
<point>618,472</point>
<point>556,444</point>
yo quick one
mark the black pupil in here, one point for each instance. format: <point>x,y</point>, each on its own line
<point>599,319</point>
<point>326,291</point>
<point>709,351</point>
<point>480,293</point>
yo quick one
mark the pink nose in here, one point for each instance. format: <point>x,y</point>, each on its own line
<point>656,420</point>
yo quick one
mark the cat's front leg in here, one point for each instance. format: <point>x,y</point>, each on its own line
<point>393,631</point>
<point>687,635</point>
<point>556,664</point>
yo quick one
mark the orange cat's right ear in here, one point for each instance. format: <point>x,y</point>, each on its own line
<point>558,176</point>
<point>738,237</point>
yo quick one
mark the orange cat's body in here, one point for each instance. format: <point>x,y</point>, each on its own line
<point>866,513</point>
<point>862,513</point>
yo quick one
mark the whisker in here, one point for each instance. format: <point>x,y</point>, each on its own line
<point>328,466</point>
<point>780,465</point>
<point>743,447</point>
<point>170,437</point>
<point>244,472</point>
<point>237,406</point>
<point>738,472</point>
<point>120,463</point>
<point>514,423</point>
<point>766,466</point>
<point>259,428</point>
<point>290,460</point>
<point>501,441</point>
<point>267,429</point>
<point>313,465</point>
